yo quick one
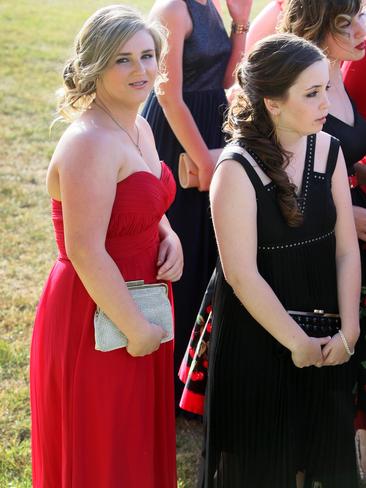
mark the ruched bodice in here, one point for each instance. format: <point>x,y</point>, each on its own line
<point>140,202</point>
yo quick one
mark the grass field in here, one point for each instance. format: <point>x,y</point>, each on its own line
<point>35,39</point>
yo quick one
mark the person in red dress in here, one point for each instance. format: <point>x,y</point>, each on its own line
<point>106,419</point>
<point>354,76</point>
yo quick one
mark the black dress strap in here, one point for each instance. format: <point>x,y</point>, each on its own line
<point>235,152</point>
<point>332,155</point>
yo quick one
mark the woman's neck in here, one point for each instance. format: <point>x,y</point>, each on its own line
<point>289,139</point>
<point>335,73</point>
<point>125,115</point>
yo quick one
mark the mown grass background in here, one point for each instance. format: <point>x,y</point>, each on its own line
<point>35,39</point>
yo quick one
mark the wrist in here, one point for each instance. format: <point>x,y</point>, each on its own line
<point>240,26</point>
<point>140,330</point>
<point>297,341</point>
<point>348,345</point>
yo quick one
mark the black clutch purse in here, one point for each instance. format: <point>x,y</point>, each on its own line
<point>317,323</point>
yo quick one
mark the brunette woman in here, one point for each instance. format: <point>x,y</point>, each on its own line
<point>279,399</point>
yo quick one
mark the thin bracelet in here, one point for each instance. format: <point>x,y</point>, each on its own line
<point>240,28</point>
<point>345,343</point>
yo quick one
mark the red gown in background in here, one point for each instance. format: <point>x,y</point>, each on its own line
<point>103,419</point>
<point>354,77</point>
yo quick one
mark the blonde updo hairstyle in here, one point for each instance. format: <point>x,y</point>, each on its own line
<point>97,42</point>
<point>315,19</point>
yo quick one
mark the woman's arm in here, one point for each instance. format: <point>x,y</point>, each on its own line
<point>174,15</point>
<point>88,186</point>
<point>263,25</point>
<point>348,267</point>
<point>239,11</point>
<point>234,212</point>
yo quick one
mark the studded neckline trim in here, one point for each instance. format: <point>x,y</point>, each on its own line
<point>309,158</point>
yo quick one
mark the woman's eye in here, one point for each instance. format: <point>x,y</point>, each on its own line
<point>312,94</point>
<point>147,56</point>
<point>122,60</point>
<point>327,87</point>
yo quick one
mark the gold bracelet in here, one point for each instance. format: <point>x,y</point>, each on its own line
<point>240,28</point>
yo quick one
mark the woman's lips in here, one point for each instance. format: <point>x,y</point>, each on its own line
<point>361,46</point>
<point>322,120</point>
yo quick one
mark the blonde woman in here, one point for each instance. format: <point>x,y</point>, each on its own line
<point>106,419</point>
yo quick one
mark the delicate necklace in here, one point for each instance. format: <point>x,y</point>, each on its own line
<point>136,144</point>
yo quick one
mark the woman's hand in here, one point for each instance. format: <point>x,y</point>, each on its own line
<point>335,353</point>
<point>309,352</point>
<point>359,215</point>
<point>204,176</point>
<point>146,341</point>
<point>239,10</point>
<point>170,258</point>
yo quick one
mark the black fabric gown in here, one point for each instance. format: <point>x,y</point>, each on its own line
<point>353,143</point>
<point>205,57</point>
<point>265,418</point>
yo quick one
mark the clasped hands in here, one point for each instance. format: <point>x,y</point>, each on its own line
<point>324,351</point>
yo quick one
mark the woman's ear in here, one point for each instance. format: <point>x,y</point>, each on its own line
<point>273,106</point>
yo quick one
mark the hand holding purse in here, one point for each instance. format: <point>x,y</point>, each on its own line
<point>188,170</point>
<point>151,300</point>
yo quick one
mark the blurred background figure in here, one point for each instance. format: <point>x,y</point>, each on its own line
<point>188,116</point>
<point>265,23</point>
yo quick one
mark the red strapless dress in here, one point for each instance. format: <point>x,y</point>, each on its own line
<point>354,77</point>
<point>103,419</point>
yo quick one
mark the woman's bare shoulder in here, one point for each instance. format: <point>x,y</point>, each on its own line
<point>170,11</point>
<point>84,144</point>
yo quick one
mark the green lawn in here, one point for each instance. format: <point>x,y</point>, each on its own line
<point>35,39</point>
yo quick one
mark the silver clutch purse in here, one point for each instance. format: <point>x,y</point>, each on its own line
<point>151,300</point>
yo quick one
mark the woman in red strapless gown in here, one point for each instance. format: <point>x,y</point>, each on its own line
<point>354,77</point>
<point>106,419</point>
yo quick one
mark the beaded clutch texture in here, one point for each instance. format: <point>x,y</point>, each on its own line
<point>151,300</point>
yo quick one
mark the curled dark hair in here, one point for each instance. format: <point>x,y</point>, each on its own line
<point>270,70</point>
<point>314,19</point>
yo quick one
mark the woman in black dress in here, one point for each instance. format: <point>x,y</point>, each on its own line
<point>187,116</point>
<point>279,401</point>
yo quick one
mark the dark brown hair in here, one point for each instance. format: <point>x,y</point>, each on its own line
<point>314,19</point>
<point>270,70</point>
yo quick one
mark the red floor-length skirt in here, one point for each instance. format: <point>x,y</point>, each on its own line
<point>103,419</point>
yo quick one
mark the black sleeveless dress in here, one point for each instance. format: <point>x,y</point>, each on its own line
<point>265,418</point>
<point>205,57</point>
